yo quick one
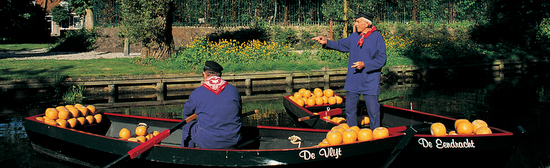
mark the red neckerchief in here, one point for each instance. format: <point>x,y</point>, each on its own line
<point>365,35</point>
<point>215,84</point>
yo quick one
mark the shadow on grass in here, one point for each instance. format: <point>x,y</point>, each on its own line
<point>31,74</point>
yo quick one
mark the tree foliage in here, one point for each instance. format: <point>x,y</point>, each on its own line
<point>149,22</point>
<point>60,15</point>
<point>79,6</point>
<point>22,22</point>
<point>514,23</point>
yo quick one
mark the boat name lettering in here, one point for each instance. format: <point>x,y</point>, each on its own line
<point>306,155</point>
<point>326,152</point>
<point>330,152</point>
<point>440,144</point>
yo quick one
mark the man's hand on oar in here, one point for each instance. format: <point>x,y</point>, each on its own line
<point>250,113</point>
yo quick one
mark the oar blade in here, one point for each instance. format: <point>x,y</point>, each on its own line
<point>148,144</point>
<point>143,147</point>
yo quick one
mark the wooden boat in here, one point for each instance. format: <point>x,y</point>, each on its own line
<point>492,150</point>
<point>97,145</point>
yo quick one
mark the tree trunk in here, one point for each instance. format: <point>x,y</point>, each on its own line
<point>159,51</point>
<point>163,44</point>
<point>144,52</point>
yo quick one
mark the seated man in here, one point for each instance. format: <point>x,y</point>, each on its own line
<point>218,108</point>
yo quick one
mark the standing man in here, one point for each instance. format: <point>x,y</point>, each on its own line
<point>218,108</point>
<point>367,56</point>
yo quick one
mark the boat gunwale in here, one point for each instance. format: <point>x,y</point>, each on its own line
<point>392,134</point>
<point>307,110</point>
<point>500,132</point>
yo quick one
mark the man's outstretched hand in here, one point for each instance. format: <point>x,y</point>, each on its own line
<point>320,39</point>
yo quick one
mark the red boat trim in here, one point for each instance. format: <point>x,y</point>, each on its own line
<point>466,136</point>
<point>418,112</point>
<point>146,118</point>
<point>392,133</point>
<point>499,132</point>
<point>504,132</point>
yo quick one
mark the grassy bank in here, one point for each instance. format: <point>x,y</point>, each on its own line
<point>23,69</point>
<point>22,47</point>
<point>420,44</point>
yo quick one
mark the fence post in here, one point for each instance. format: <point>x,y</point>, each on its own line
<point>289,83</point>
<point>498,70</point>
<point>161,91</point>
<point>248,84</point>
<point>126,47</point>
<point>326,79</point>
<point>113,89</point>
<point>161,86</point>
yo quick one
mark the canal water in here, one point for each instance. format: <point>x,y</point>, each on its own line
<point>505,102</point>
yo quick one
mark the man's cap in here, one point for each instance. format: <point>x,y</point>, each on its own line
<point>213,66</point>
<point>366,15</point>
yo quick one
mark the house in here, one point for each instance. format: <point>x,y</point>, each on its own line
<point>75,22</point>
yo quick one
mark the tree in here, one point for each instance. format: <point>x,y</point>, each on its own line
<point>149,22</point>
<point>22,21</point>
<point>513,22</point>
<point>61,16</point>
<point>79,6</point>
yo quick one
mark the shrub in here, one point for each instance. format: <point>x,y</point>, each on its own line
<point>76,40</point>
<point>305,40</point>
<point>235,56</point>
<point>284,35</point>
<point>74,95</point>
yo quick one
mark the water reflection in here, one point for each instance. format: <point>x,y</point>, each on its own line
<point>14,143</point>
<point>516,100</point>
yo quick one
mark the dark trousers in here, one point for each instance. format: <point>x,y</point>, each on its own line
<point>373,109</point>
<point>188,133</point>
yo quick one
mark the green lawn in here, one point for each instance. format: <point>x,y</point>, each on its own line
<point>22,47</point>
<point>25,69</point>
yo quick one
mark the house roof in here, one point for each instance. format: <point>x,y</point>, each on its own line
<point>47,4</point>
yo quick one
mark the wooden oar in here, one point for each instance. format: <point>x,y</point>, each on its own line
<point>323,114</point>
<point>151,142</point>
<point>383,100</point>
<point>249,113</point>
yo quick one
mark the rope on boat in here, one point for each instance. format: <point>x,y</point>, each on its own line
<point>295,138</point>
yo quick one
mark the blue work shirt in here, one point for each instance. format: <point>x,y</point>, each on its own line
<point>372,53</point>
<point>218,122</point>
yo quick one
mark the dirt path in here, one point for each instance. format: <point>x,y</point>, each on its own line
<point>42,54</point>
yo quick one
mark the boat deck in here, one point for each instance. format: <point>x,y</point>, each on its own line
<point>253,137</point>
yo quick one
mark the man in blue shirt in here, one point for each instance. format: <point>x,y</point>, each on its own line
<point>367,56</point>
<point>218,108</point>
